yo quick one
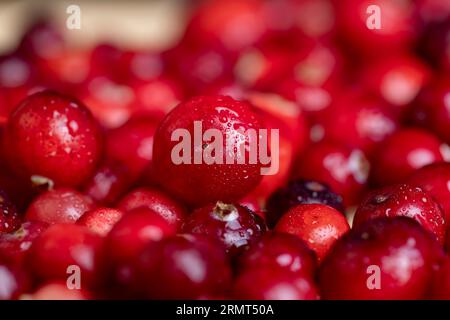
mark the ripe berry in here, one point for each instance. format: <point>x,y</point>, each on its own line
<point>100,220</point>
<point>9,217</point>
<point>440,288</point>
<point>402,153</point>
<point>61,246</point>
<point>266,283</point>
<point>182,267</point>
<point>407,201</point>
<point>434,179</point>
<point>300,192</point>
<point>386,258</point>
<point>344,170</point>
<point>279,250</point>
<point>54,136</point>
<point>61,205</point>
<point>317,224</point>
<point>173,212</point>
<point>232,225</point>
<point>213,181</point>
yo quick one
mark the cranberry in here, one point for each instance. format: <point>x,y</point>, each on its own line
<point>173,212</point>
<point>61,246</point>
<point>317,224</point>
<point>58,291</point>
<point>434,43</point>
<point>345,170</point>
<point>434,179</point>
<point>402,153</point>
<point>440,288</point>
<point>53,136</point>
<point>9,217</point>
<point>13,246</point>
<point>132,144</point>
<point>279,250</point>
<point>403,200</point>
<point>100,220</point>
<point>215,181</point>
<point>234,226</point>
<point>394,253</point>
<point>300,192</point>
<point>13,281</point>
<point>266,283</point>
<point>183,267</point>
<point>61,205</point>
<point>140,65</point>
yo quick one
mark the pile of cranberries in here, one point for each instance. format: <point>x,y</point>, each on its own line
<point>99,201</point>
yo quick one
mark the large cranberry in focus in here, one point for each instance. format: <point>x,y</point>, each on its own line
<point>183,267</point>
<point>402,153</point>
<point>407,201</point>
<point>232,225</point>
<point>386,258</point>
<point>300,192</point>
<point>434,179</point>
<point>183,159</point>
<point>54,136</point>
<point>61,205</point>
<point>317,224</point>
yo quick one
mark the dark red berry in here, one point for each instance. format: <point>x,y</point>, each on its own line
<point>317,224</point>
<point>53,136</point>
<point>386,258</point>
<point>9,216</point>
<point>407,201</point>
<point>440,287</point>
<point>300,192</point>
<point>183,267</point>
<point>61,205</point>
<point>100,220</point>
<point>234,226</point>
<point>214,179</point>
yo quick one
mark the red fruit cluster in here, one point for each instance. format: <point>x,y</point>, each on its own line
<point>115,172</point>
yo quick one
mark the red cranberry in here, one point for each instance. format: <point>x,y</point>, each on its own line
<point>140,65</point>
<point>407,201</point>
<point>317,224</point>
<point>440,288</point>
<point>13,281</point>
<point>169,209</point>
<point>13,246</point>
<point>132,144</point>
<point>53,136</point>
<point>100,220</point>
<point>61,246</point>
<point>402,153</point>
<point>9,216</point>
<point>58,291</point>
<point>183,267</point>
<point>61,205</point>
<point>434,179</point>
<point>300,192</point>
<point>214,181</point>
<point>386,258</point>
<point>233,225</point>
<point>344,170</point>
<point>434,42</point>
<point>266,283</point>
<point>279,250</point>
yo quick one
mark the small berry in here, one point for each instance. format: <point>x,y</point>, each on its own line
<point>100,220</point>
<point>58,291</point>
<point>14,282</point>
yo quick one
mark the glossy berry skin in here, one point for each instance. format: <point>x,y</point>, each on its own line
<point>434,179</point>
<point>172,211</point>
<point>226,182</point>
<point>232,225</point>
<point>54,136</point>
<point>317,224</point>
<point>61,205</point>
<point>345,170</point>
<point>14,281</point>
<point>407,201</point>
<point>61,246</point>
<point>402,153</point>
<point>273,284</point>
<point>9,216</point>
<point>279,251</point>
<point>399,247</point>
<point>14,246</point>
<point>300,191</point>
<point>100,220</point>
<point>183,267</point>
